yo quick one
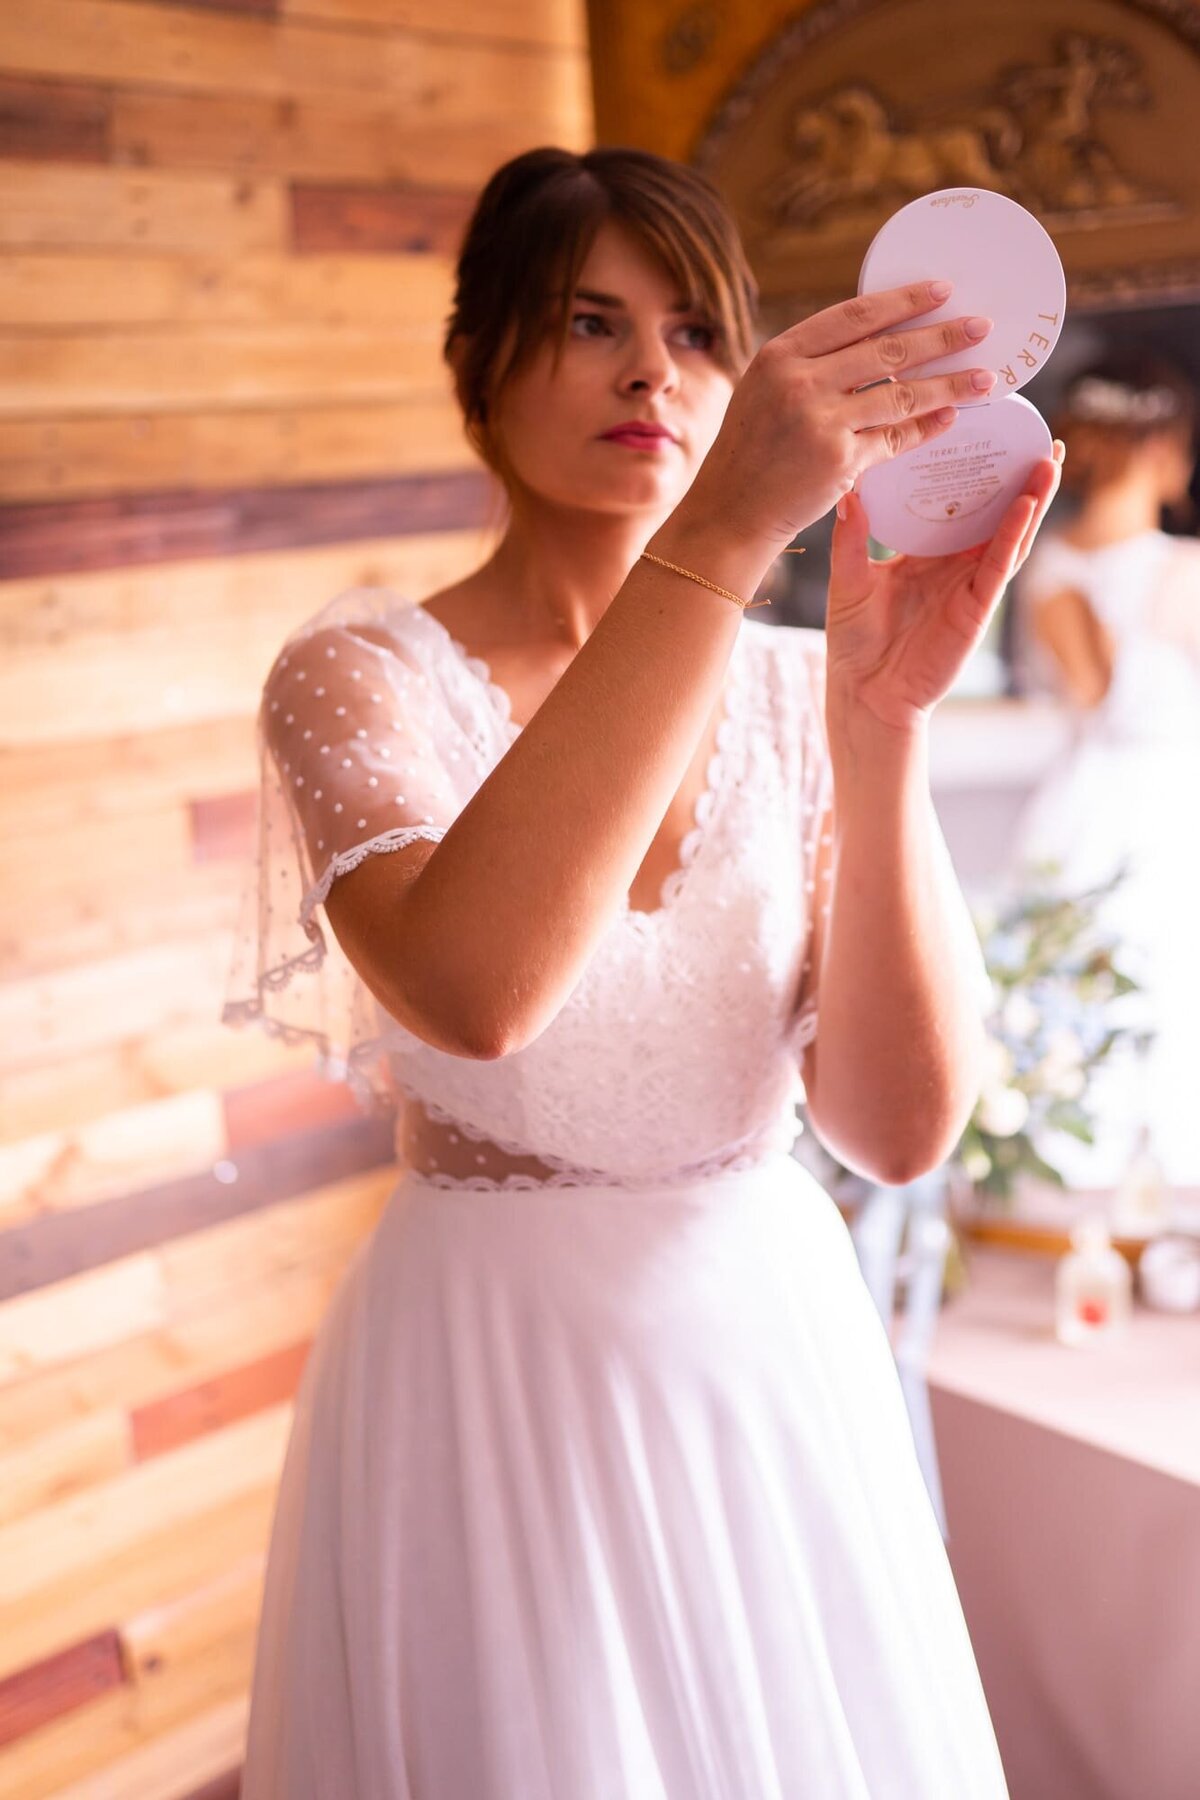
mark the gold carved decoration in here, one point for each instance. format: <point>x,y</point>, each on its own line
<point>1084,111</point>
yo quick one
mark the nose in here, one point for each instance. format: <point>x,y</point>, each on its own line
<point>648,366</point>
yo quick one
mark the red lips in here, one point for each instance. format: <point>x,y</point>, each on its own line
<point>646,428</point>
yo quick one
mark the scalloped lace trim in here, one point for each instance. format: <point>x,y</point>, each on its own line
<point>345,860</point>
<point>706,800</point>
<point>729,1158</point>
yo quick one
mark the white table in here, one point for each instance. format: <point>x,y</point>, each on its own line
<point>1071,1481</point>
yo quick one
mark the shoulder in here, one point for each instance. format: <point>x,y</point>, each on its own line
<point>368,620</point>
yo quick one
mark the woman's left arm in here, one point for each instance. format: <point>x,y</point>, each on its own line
<point>895,1069</point>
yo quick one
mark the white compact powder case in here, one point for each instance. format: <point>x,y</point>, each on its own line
<point>952,492</point>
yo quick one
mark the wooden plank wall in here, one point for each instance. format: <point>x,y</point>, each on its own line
<point>226,240</point>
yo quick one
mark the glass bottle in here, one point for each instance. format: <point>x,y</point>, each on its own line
<point>1141,1199</point>
<point>1093,1286</point>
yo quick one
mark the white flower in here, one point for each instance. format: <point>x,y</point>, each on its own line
<point>1002,1111</point>
<point>976,1163</point>
<point>1064,1048</point>
<point>998,1062</point>
<point>1065,1084</point>
<point>1020,1015</point>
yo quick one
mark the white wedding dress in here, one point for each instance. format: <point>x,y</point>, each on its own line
<point>601,1484</point>
<point>1129,786</point>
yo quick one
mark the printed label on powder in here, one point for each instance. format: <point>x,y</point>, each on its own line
<point>953,482</point>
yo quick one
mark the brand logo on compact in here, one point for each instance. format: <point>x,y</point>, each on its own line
<point>1026,357</point>
<point>964,200</point>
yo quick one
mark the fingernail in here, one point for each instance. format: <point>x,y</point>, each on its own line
<point>977,328</point>
<point>982,379</point>
<point>941,290</point>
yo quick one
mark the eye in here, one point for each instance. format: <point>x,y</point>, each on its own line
<point>708,332</point>
<point>593,317</point>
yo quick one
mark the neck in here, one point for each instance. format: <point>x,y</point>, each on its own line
<point>1115,513</point>
<point>559,570</point>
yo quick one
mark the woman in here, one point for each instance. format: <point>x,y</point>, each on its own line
<point>601,1480</point>
<point>1109,619</point>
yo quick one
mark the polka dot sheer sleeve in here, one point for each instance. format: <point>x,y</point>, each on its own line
<point>360,754</point>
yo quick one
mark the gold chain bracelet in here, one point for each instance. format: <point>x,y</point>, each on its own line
<point>705,582</point>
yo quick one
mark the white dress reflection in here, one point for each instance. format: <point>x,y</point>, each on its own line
<point>1110,621</point>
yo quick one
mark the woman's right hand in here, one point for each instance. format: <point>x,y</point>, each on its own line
<point>802,424</point>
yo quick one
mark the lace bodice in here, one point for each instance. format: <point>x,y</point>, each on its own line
<point>679,1050</point>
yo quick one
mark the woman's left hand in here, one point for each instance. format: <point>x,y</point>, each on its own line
<point>898,632</point>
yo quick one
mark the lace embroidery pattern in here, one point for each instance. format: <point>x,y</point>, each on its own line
<point>746,1152</point>
<point>706,800</point>
<point>419,724</point>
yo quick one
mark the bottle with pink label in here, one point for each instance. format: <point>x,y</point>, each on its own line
<point>1093,1286</point>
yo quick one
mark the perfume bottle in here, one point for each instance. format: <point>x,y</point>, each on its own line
<point>1141,1202</point>
<point>1093,1286</point>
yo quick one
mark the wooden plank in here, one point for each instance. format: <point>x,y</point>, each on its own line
<point>55,537</point>
<point>76,926</point>
<point>64,1461</point>
<point>167,663</point>
<point>78,1318</point>
<point>160,1636</point>
<point>59,1685</point>
<point>222,1400</point>
<point>207,1748</point>
<point>45,1252</point>
<point>346,219</point>
<point>560,23</point>
<point>227,366</point>
<point>58,788</point>
<point>150,1744</point>
<point>280,589</point>
<point>54,121</point>
<point>207,1332</point>
<point>142,1146</point>
<point>168,1549</point>
<point>133,45</point>
<point>255,1113</point>
<point>71,1090</point>
<point>331,137</point>
<point>40,290</point>
<point>223,827</point>
<point>97,1005</point>
<point>77,1535</point>
<point>72,207</point>
<point>103,857</point>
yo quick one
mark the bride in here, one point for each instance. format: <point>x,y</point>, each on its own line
<point>601,1481</point>
<point>1108,613</point>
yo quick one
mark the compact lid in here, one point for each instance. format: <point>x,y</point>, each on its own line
<point>1003,264</point>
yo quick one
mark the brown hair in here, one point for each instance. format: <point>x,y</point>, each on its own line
<point>529,236</point>
<point>1114,406</point>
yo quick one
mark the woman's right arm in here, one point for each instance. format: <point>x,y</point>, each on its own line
<point>476,942</point>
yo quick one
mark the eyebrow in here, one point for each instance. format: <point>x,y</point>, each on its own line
<point>614,300</point>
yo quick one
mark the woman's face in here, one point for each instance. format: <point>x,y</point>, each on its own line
<point>632,353</point>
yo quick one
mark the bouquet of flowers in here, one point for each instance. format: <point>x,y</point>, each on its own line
<point>1056,980</point>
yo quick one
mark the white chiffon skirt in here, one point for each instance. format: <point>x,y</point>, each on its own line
<point>1108,800</point>
<point>605,1495</point>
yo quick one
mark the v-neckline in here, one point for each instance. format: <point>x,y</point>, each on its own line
<point>706,800</point>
